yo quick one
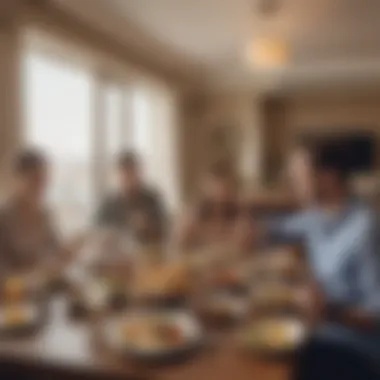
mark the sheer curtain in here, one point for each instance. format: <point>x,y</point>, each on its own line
<point>155,138</point>
<point>58,120</point>
<point>113,131</point>
<point>82,121</point>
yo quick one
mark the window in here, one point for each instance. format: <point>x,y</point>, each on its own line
<point>142,131</point>
<point>82,120</point>
<point>58,120</point>
<point>155,138</point>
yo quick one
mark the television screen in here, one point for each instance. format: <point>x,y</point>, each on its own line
<point>362,151</point>
<point>359,148</point>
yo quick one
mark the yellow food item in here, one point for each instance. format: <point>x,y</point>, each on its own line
<point>151,333</point>
<point>14,315</point>
<point>163,279</point>
<point>14,288</point>
<point>275,294</point>
<point>274,334</point>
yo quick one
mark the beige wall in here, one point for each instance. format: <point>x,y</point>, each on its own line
<point>9,100</point>
<point>202,114</point>
<point>287,118</point>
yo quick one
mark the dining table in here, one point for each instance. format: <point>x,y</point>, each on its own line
<point>65,347</point>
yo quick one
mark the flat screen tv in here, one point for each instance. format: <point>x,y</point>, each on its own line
<point>359,148</point>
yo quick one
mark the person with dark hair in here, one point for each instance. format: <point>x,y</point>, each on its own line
<point>212,217</point>
<point>28,239</point>
<point>134,207</point>
<point>341,237</point>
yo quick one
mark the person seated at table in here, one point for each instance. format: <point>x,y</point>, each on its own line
<point>212,218</point>
<point>134,207</point>
<point>341,237</point>
<point>28,238</point>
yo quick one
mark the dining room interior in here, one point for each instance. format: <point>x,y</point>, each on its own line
<point>167,139</point>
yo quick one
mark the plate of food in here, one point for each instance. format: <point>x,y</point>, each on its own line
<point>273,295</point>
<point>228,276</point>
<point>275,335</point>
<point>99,293</point>
<point>162,282</point>
<point>153,335</point>
<point>224,307</point>
<point>16,288</point>
<point>18,318</point>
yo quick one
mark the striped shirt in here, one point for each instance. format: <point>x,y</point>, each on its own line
<point>343,251</point>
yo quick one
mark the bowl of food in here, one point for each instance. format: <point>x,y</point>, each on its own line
<point>273,295</point>
<point>18,318</point>
<point>274,335</point>
<point>153,335</point>
<point>18,288</point>
<point>163,282</point>
<point>223,308</point>
<point>230,277</point>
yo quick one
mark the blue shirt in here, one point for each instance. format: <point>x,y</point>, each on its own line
<point>342,249</point>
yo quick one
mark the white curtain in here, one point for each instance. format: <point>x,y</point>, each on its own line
<point>155,137</point>
<point>82,138</point>
<point>58,120</point>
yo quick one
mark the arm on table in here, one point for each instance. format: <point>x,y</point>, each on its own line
<point>248,232</point>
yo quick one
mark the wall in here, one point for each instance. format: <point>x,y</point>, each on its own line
<point>240,113</point>
<point>9,99</point>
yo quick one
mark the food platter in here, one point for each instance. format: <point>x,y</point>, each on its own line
<point>161,283</point>
<point>18,318</point>
<point>224,307</point>
<point>273,295</point>
<point>20,287</point>
<point>153,335</point>
<point>276,335</point>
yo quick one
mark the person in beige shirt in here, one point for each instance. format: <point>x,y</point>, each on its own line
<point>28,238</point>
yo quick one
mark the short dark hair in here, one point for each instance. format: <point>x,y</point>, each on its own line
<point>332,157</point>
<point>127,160</point>
<point>29,160</point>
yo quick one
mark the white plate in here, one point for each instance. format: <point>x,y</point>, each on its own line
<point>191,331</point>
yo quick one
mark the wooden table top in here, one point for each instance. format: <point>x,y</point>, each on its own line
<point>69,347</point>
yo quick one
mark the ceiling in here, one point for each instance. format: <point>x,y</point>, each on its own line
<point>328,40</point>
